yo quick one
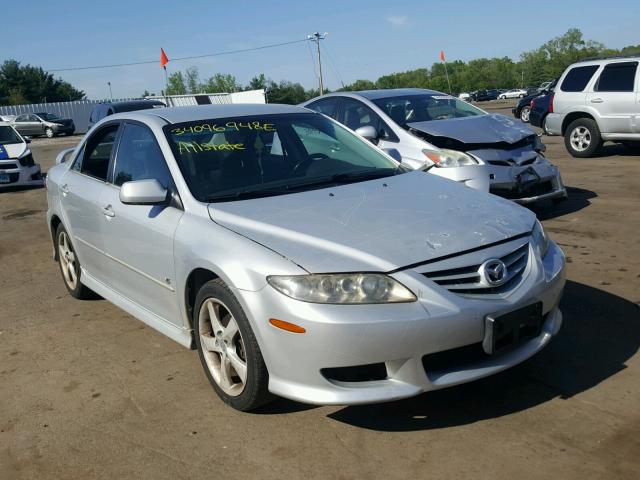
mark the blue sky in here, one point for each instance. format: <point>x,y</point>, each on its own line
<point>366,38</point>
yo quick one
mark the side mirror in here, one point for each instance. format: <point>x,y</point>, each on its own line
<point>368,132</point>
<point>27,139</point>
<point>143,192</point>
<point>393,153</point>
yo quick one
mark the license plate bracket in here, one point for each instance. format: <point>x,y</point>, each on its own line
<point>4,177</point>
<point>509,330</point>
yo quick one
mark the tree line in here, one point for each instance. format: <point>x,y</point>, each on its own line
<point>28,84</point>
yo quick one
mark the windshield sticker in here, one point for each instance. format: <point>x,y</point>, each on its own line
<point>229,126</point>
<point>195,147</point>
<point>442,97</point>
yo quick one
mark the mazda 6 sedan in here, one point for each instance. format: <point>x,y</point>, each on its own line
<point>297,258</point>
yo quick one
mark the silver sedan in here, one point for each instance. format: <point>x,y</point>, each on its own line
<point>459,140</point>
<point>297,258</point>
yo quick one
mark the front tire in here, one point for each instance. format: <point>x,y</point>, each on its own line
<point>70,266</point>
<point>228,348</point>
<point>582,138</point>
<point>524,113</point>
<point>49,132</point>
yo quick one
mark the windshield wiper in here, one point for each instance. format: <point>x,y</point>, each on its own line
<point>246,194</point>
<point>365,174</point>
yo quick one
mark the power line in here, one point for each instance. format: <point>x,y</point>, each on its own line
<point>332,64</point>
<point>191,57</point>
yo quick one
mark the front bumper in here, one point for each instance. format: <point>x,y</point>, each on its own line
<point>399,336</point>
<point>24,176</point>
<point>527,184</point>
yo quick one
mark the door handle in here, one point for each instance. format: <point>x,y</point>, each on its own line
<point>108,211</point>
<point>597,100</point>
<point>65,190</point>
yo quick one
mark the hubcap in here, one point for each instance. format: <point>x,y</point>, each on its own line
<point>67,261</point>
<point>49,132</point>
<point>580,138</point>
<point>222,346</point>
<point>524,115</point>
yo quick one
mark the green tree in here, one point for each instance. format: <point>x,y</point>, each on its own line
<point>192,80</point>
<point>257,82</point>
<point>29,84</point>
<point>221,83</point>
<point>175,84</point>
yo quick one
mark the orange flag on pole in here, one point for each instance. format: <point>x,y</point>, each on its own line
<point>442,55</point>
<point>163,58</point>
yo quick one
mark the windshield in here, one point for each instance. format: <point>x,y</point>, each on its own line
<point>8,135</point>
<point>425,108</point>
<point>50,117</point>
<point>248,157</point>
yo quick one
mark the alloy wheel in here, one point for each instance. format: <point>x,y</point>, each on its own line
<point>524,114</point>
<point>67,260</point>
<point>580,138</point>
<point>49,133</point>
<point>222,346</point>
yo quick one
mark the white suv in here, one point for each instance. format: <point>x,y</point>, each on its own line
<point>596,101</point>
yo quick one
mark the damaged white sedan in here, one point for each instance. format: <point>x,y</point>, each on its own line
<point>17,168</point>
<point>462,142</point>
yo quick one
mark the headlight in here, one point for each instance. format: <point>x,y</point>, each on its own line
<point>26,160</point>
<point>342,288</point>
<point>449,158</point>
<point>540,239</point>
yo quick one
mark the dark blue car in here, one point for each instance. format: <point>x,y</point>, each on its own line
<point>540,108</point>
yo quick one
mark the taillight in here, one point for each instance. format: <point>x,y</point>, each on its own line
<point>532,104</point>
<point>552,94</point>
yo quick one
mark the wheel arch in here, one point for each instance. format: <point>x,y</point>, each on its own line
<point>195,280</point>
<point>54,222</point>
<point>570,117</point>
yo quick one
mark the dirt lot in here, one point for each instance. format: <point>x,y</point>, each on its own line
<point>89,392</point>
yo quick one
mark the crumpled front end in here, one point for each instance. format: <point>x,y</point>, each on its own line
<point>522,174</point>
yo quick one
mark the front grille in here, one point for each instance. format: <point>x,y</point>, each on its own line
<point>468,281</point>
<point>357,373</point>
<point>511,163</point>
<point>8,166</point>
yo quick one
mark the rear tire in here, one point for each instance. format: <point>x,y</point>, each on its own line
<point>70,266</point>
<point>228,348</point>
<point>524,113</point>
<point>582,138</point>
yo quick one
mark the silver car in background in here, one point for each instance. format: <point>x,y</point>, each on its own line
<point>17,167</point>
<point>297,258</point>
<point>462,142</point>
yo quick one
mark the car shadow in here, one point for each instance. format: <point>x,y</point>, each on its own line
<point>579,198</point>
<point>601,331</point>
<point>617,149</point>
<point>21,188</point>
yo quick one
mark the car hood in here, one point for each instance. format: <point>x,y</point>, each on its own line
<point>63,121</point>
<point>378,225</point>
<point>492,128</point>
<point>13,150</point>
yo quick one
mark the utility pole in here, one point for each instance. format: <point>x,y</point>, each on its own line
<point>110,92</point>
<point>316,37</point>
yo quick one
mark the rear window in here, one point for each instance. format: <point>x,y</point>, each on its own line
<point>577,78</point>
<point>617,77</point>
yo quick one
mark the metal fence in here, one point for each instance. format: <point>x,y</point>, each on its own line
<point>80,110</point>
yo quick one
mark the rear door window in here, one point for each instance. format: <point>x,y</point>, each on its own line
<point>578,78</point>
<point>617,77</point>
<point>327,106</point>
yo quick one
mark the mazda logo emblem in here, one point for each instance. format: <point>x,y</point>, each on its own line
<point>494,272</point>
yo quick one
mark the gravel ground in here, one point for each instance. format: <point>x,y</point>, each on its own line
<point>90,392</point>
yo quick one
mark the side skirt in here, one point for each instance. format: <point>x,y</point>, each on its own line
<point>180,335</point>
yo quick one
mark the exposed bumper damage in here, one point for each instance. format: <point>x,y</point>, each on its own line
<point>511,153</point>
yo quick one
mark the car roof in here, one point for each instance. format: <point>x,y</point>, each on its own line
<point>209,112</point>
<point>391,92</point>
<point>613,58</point>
